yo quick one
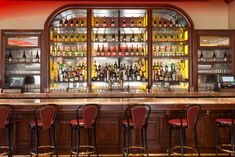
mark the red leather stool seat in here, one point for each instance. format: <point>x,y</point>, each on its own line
<point>40,123</point>
<point>74,122</point>
<point>227,121</point>
<point>176,122</point>
<point>125,123</point>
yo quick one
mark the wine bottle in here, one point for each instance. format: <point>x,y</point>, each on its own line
<point>104,37</point>
<point>140,22</point>
<point>37,58</point>
<point>98,51</point>
<point>124,22</point>
<point>71,22</point>
<point>70,51</point>
<point>76,51</point>
<point>225,56</point>
<point>96,37</point>
<point>77,23</point>
<point>201,58</point>
<point>119,51</point>
<point>112,22</point>
<point>132,37</point>
<point>10,57</point>
<point>132,23</point>
<point>103,51</point>
<point>155,22</point>
<point>137,51</point>
<point>114,51</point>
<point>64,51</point>
<point>126,51</point>
<point>132,50</point>
<point>82,23</point>
<point>124,37</point>
<point>61,22</point>
<point>113,37</point>
<point>109,51</point>
<point>104,22</point>
<point>97,22</point>
<point>142,50</point>
<point>24,57</point>
<point>66,22</point>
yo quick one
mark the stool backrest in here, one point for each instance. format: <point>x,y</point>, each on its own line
<point>89,114</point>
<point>47,114</point>
<point>140,115</point>
<point>6,114</point>
<point>192,115</point>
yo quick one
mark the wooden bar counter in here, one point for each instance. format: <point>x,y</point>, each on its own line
<point>109,128</point>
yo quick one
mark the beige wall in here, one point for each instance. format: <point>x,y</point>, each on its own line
<point>231,14</point>
<point>32,15</point>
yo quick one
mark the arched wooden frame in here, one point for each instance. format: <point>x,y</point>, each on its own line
<point>148,6</point>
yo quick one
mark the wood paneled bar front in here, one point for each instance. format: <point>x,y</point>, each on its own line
<point>109,128</point>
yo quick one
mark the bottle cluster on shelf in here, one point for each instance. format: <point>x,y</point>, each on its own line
<point>173,36</point>
<point>170,50</point>
<point>23,56</point>
<point>169,72</point>
<point>73,22</point>
<point>120,51</point>
<point>61,72</point>
<point>112,21</point>
<point>163,21</point>
<point>117,72</point>
<point>123,38</point>
<point>68,51</point>
<point>68,36</point>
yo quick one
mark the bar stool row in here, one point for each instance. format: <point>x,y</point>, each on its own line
<point>137,117</point>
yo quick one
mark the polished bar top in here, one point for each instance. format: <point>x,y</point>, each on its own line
<point>115,95</point>
<point>122,101</point>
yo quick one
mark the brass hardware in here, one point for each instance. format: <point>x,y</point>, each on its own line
<point>43,147</point>
<point>87,152</point>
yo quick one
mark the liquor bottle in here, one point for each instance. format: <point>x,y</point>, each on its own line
<point>109,51</point>
<point>61,22</point>
<point>82,23</point>
<point>225,56</point>
<point>70,51</point>
<point>83,51</point>
<point>214,57</point>
<point>98,53</point>
<point>166,78</point>
<point>114,51</point>
<point>161,72</point>
<point>96,37</point>
<point>141,37</point>
<point>97,22</point>
<point>10,57</point>
<point>77,37</point>
<point>76,51</point>
<point>155,22</point>
<point>126,51</point>
<point>71,23</point>
<point>37,58</point>
<point>66,38</point>
<point>66,22</point>
<point>104,37</point>
<point>72,37</point>
<point>142,50</point>
<point>102,51</point>
<point>124,22</point>
<point>112,22</point>
<point>76,23</point>
<point>155,51</point>
<point>113,36</point>
<point>119,51</point>
<point>104,22</point>
<point>124,37</point>
<point>64,51</point>
<point>132,23</point>
<point>132,50</point>
<point>83,38</point>
<point>137,51</point>
<point>177,22</point>
<point>173,72</point>
<point>140,22</point>
<point>132,37</point>
<point>24,57</point>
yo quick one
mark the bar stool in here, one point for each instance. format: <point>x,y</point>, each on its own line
<point>136,119</point>
<point>190,121</point>
<point>44,119</point>
<point>86,116</point>
<point>230,125</point>
<point>6,122</point>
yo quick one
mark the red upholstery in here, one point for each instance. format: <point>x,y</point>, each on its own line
<point>47,116</point>
<point>176,122</point>
<point>131,123</point>
<point>226,121</point>
<point>89,114</point>
<point>192,113</point>
<point>75,122</point>
<point>4,112</point>
<point>138,114</point>
<point>40,123</point>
